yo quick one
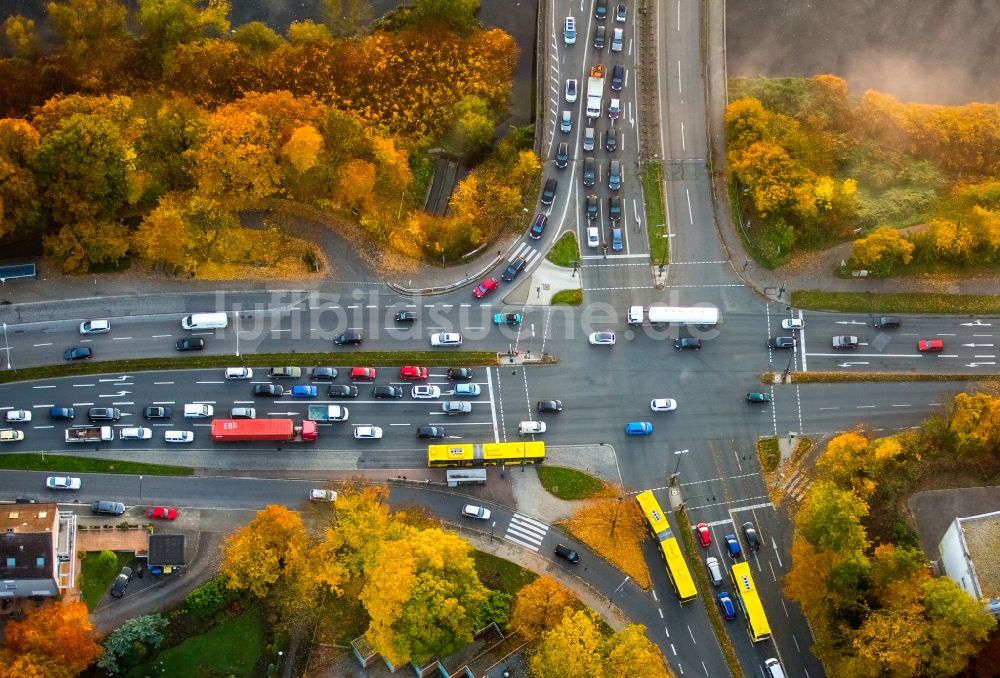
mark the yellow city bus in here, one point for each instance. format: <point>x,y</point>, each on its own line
<point>753,610</point>
<point>485,454</point>
<point>677,569</point>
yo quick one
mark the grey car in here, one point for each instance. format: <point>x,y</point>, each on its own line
<point>611,140</point>
<point>562,155</point>
<point>456,407</point>
<point>615,175</point>
<point>589,172</point>
<point>615,208</point>
<point>108,508</point>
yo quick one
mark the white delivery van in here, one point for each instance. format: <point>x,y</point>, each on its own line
<point>531,427</point>
<point>205,321</point>
<point>239,373</point>
<point>178,436</point>
<point>774,669</point>
<point>198,411</point>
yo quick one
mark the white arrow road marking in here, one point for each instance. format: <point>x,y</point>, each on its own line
<point>114,395</point>
<point>978,323</point>
<point>978,364</point>
<point>850,322</point>
<point>849,364</point>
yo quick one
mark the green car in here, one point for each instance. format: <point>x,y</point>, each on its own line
<point>507,318</point>
<point>755,397</point>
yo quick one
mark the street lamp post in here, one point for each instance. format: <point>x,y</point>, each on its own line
<point>677,466</point>
<point>140,489</point>
<point>10,363</point>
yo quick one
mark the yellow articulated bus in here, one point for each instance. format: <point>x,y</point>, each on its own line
<point>677,569</point>
<point>750,603</point>
<point>485,454</point>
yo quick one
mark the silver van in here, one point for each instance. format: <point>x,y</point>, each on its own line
<point>205,321</point>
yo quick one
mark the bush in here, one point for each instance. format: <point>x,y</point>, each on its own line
<point>209,598</point>
<point>495,610</point>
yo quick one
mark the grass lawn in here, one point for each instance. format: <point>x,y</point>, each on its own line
<point>768,453</point>
<point>31,461</point>
<point>233,648</point>
<point>501,575</point>
<point>864,302</point>
<point>428,358</point>
<point>565,251</point>
<point>656,222</point>
<point>568,297</point>
<point>567,483</point>
<point>97,579</point>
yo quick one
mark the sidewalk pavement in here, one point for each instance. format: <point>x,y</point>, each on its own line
<point>544,282</point>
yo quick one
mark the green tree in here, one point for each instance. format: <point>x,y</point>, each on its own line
<point>423,596</point>
<point>958,626</point>
<point>257,38</point>
<point>84,26</point>
<point>571,649</point>
<point>345,18</point>
<point>496,610</point>
<point>473,123</point>
<point>20,202</point>
<point>144,633</point>
<point>459,14</point>
<point>830,519</point>
<point>166,23</point>
<point>82,169</point>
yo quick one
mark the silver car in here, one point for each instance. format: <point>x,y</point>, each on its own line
<point>456,407</point>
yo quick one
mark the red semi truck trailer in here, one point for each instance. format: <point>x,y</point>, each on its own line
<point>262,430</point>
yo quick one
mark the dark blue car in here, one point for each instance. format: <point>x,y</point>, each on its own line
<point>538,226</point>
<point>61,413</point>
<point>733,546</point>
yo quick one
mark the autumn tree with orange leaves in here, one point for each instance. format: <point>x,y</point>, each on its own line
<point>615,528</point>
<point>54,641</point>
<point>539,606</point>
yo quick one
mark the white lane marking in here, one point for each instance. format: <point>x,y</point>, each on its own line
<point>210,382</point>
<point>80,385</point>
<point>36,345</point>
<point>160,336</point>
<point>43,406</point>
<point>43,387</point>
<point>163,383</point>
<point>120,338</point>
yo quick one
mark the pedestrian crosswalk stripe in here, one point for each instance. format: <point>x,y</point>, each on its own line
<point>525,250</point>
<point>526,532</point>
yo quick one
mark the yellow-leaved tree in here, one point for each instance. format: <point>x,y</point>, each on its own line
<point>303,148</point>
<point>573,648</point>
<point>539,606</point>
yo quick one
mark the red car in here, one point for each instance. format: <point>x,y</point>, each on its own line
<point>930,345</point>
<point>164,512</point>
<point>704,536</point>
<point>485,287</point>
<point>412,373</point>
<point>362,374</point>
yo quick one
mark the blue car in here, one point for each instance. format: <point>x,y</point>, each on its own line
<point>638,428</point>
<point>733,546</point>
<point>507,318</point>
<point>538,226</point>
<point>303,391</point>
<point>61,413</point>
<point>467,390</point>
<point>726,603</point>
<point>616,239</point>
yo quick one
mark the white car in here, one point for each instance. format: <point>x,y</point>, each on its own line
<point>473,511</point>
<point>792,324</point>
<point>135,433</point>
<point>17,416</point>
<point>178,436</point>
<point>62,483</point>
<point>95,327</point>
<point>530,427</point>
<point>615,109</point>
<point>424,392</point>
<point>239,373</point>
<point>593,236</point>
<point>9,435</point>
<point>602,338</point>
<point>571,91</point>
<point>322,495</point>
<point>663,405</point>
<point>446,339</point>
<point>367,432</point>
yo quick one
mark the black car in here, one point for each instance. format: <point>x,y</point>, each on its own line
<point>750,534</point>
<point>406,316</point>
<point>323,373</point>
<point>121,581</point>
<point>538,226</point>
<point>108,508</point>
<point>352,337</point>
<point>513,268</point>
<point>887,321</point>
<point>611,140</point>
<point>459,373</point>
<point>591,207</point>
<point>193,344</point>
<point>157,412</point>
<point>387,392</point>
<point>549,191</point>
<point>78,353</point>
<point>567,553</point>
<point>562,155</point>
<point>687,344</point>
<point>589,172</point>
<point>615,208</point>
<point>342,391</point>
<point>66,413</point>
<point>617,77</point>
<point>601,10</point>
<point>549,406</point>
<point>270,390</point>
<point>430,432</point>
<point>781,342</point>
